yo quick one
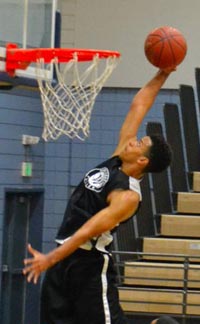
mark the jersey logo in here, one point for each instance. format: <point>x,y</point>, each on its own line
<point>96,179</point>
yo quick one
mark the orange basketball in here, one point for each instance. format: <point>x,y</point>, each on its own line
<point>165,47</point>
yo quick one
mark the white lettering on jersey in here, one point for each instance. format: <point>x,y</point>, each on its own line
<point>96,179</point>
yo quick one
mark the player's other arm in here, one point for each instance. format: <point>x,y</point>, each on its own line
<point>141,104</point>
<point>121,205</point>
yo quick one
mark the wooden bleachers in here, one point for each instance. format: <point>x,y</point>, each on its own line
<point>171,246</point>
<point>160,274</point>
<point>180,225</point>
<point>159,284</point>
<point>159,301</point>
<point>196,181</point>
<point>165,277</point>
<point>188,202</point>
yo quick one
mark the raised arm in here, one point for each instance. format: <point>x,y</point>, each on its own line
<point>122,205</point>
<point>141,104</point>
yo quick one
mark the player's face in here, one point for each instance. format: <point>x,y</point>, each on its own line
<point>138,147</point>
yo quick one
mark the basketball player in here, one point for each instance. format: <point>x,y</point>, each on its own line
<point>79,286</point>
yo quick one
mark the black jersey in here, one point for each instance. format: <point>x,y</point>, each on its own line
<point>90,197</point>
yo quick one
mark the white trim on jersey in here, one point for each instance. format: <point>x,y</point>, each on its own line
<point>86,246</point>
<point>134,184</point>
<point>105,289</point>
<point>103,240</point>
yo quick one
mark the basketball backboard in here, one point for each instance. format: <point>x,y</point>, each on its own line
<point>29,24</point>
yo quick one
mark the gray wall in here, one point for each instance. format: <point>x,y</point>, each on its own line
<point>123,25</point>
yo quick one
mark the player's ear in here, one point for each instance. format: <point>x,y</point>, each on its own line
<point>143,161</point>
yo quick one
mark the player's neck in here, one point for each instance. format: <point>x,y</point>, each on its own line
<point>132,170</point>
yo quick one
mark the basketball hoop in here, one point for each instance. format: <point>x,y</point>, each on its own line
<point>68,101</point>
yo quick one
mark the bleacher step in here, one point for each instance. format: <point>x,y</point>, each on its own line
<point>188,202</point>
<point>160,274</point>
<point>168,301</point>
<point>196,181</point>
<point>180,225</point>
<point>171,247</point>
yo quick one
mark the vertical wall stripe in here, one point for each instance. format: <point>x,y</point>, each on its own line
<point>105,290</point>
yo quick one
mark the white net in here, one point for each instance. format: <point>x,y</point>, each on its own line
<point>68,102</point>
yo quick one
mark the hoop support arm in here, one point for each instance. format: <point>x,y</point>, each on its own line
<point>19,58</point>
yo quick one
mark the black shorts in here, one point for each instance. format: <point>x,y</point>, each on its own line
<point>81,290</point>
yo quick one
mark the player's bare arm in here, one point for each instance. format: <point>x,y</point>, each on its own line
<point>141,104</point>
<point>122,205</point>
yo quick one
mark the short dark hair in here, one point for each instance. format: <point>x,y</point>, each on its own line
<point>166,320</point>
<point>160,154</point>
